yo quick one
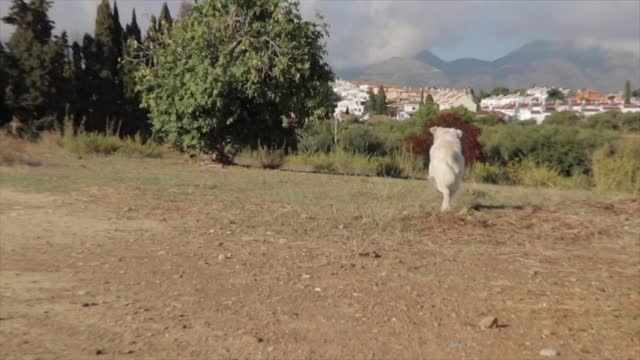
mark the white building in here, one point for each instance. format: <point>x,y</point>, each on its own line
<point>353,98</point>
<point>407,111</point>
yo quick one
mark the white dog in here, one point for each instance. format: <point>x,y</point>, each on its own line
<point>446,164</point>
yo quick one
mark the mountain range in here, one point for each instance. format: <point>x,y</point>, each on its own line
<point>542,63</point>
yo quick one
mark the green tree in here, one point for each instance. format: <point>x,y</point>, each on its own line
<point>370,106</point>
<point>165,21</point>
<point>132,30</point>
<point>106,64</point>
<point>500,90</point>
<point>136,119</point>
<point>5,66</point>
<point>80,93</point>
<point>185,8</point>
<point>381,101</point>
<point>236,74</point>
<point>627,92</point>
<point>429,100</point>
<point>554,95</point>
<point>31,92</point>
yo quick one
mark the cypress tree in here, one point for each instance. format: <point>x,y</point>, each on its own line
<point>133,30</point>
<point>5,113</point>
<point>80,93</point>
<point>429,100</point>
<point>105,66</point>
<point>627,92</point>
<point>381,101</point>
<point>91,82</point>
<point>371,104</point>
<point>165,21</point>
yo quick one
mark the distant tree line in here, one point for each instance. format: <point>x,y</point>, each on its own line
<point>44,78</point>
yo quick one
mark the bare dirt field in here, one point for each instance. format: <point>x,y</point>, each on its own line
<point>162,259</point>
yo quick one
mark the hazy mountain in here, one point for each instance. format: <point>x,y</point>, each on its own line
<point>541,62</point>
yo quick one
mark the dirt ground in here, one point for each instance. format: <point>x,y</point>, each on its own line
<point>235,263</point>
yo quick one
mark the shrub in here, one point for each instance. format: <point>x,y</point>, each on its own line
<point>564,118</point>
<point>419,145</point>
<point>316,136</point>
<point>617,167</point>
<point>567,149</point>
<point>527,172</point>
<point>360,139</point>
<point>489,173</point>
<point>388,167</point>
<point>269,158</point>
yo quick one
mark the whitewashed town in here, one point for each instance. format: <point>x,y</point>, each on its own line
<point>529,104</point>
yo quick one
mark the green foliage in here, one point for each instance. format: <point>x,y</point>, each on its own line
<point>269,158</point>
<point>35,66</point>
<point>564,118</point>
<point>316,137</point>
<point>164,20</point>
<point>566,149</point>
<point>554,95</point>
<point>500,90</point>
<point>236,73</point>
<point>388,167</point>
<point>108,143</point>
<point>488,173</point>
<point>614,120</point>
<point>627,92</point>
<point>616,167</point>
<point>361,139</point>
<point>381,101</point>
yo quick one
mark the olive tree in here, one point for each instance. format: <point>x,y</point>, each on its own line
<point>236,73</point>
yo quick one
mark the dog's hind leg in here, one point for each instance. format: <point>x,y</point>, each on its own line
<point>445,200</point>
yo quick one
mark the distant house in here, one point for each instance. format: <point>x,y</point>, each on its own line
<point>589,95</point>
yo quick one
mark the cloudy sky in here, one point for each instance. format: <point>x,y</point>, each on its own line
<point>366,31</point>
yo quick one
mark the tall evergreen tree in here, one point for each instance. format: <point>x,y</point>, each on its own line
<point>137,120</point>
<point>429,100</point>
<point>371,106</point>
<point>627,92</point>
<point>31,91</point>
<point>165,21</point>
<point>60,75</point>
<point>5,113</point>
<point>80,93</point>
<point>91,77</point>
<point>133,30</point>
<point>106,58</point>
<point>381,101</point>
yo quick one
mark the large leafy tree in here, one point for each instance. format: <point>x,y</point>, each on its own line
<point>237,73</point>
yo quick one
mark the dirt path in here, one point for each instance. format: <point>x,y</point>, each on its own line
<point>102,273</point>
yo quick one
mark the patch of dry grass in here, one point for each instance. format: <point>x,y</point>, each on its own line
<point>14,151</point>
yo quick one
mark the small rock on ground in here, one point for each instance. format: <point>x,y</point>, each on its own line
<point>549,352</point>
<point>488,322</point>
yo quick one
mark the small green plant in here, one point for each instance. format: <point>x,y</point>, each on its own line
<point>388,167</point>
<point>617,167</point>
<point>269,158</point>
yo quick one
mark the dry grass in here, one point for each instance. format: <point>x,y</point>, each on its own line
<point>557,267</point>
<point>14,151</point>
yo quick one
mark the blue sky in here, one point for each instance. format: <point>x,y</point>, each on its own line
<point>367,31</point>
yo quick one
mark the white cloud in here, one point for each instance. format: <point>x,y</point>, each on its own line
<point>363,32</point>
